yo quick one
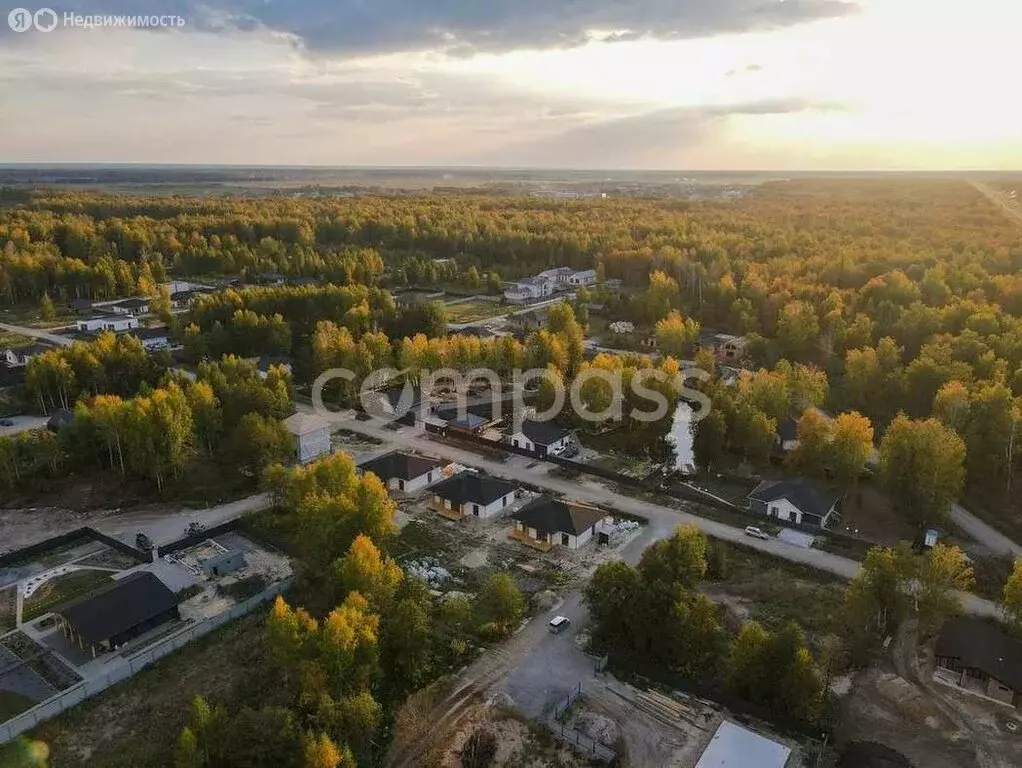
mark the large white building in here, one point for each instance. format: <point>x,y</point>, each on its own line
<point>582,277</point>
<point>311,435</point>
<point>529,289</point>
<point>116,323</point>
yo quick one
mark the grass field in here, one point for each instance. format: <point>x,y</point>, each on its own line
<point>477,309</point>
<point>10,339</point>
<point>61,589</point>
<point>8,608</point>
<point>137,722</point>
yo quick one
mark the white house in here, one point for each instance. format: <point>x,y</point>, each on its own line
<point>796,500</point>
<point>528,289</point>
<point>540,437</point>
<point>548,522</point>
<point>404,471</point>
<point>622,326</point>
<point>470,494</point>
<point>116,323</point>
<point>311,434</point>
<point>582,277</point>
<point>557,274</point>
<point>18,357</point>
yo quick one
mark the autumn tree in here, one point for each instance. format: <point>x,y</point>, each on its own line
<point>1011,598</point>
<point>922,464</point>
<point>851,446</point>
<point>499,605</point>
<point>365,570</point>
<point>677,335</point>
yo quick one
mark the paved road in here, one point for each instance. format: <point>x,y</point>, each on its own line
<point>983,533</point>
<point>35,333</point>
<point>660,517</point>
<point>23,424</point>
<point>165,527</point>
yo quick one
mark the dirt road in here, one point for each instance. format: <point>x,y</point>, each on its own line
<point>1012,209</point>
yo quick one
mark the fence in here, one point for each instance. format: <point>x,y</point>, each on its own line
<point>18,556</point>
<point>577,740</point>
<point>132,664</point>
<point>197,538</point>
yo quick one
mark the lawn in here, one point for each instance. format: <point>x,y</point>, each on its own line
<point>10,339</point>
<point>137,722</point>
<point>12,704</point>
<point>476,309</point>
<point>60,590</point>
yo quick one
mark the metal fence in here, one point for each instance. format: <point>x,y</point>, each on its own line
<point>577,740</point>
<point>132,664</point>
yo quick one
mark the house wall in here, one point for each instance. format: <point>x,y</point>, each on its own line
<point>488,510</point>
<point>314,445</point>
<point>416,483</point>
<point>107,324</point>
<point>995,689</point>
<point>519,440</point>
<point>783,509</point>
<point>558,538</point>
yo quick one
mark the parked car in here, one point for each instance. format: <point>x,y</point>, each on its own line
<point>558,624</point>
<point>6,422</point>
<point>751,530</point>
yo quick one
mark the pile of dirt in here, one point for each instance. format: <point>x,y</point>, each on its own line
<point>597,727</point>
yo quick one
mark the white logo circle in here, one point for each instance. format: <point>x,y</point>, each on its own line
<point>45,19</point>
<point>20,19</point>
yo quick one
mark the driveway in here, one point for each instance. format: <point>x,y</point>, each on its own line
<point>992,539</point>
<point>23,424</point>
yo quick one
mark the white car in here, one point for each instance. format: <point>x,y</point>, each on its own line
<point>558,624</point>
<point>751,530</point>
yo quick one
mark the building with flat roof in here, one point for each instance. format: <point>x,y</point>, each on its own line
<point>733,746</point>
<point>110,616</point>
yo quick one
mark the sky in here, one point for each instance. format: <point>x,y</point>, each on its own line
<point>640,84</point>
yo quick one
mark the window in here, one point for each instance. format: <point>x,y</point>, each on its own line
<point>504,502</point>
<point>401,485</point>
<point>475,510</point>
<point>565,539</point>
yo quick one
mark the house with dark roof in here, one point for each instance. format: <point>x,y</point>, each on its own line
<point>110,616</point>
<point>134,306</point>
<point>60,419</point>
<point>471,494</point>
<point>796,500</point>
<point>406,472</point>
<point>547,522</point>
<point>540,437</point>
<point>979,657</point>
<point>18,357</point>
<point>152,338</point>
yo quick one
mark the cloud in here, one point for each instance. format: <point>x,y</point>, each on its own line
<point>666,138</point>
<point>356,27</point>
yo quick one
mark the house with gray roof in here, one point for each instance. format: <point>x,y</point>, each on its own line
<point>547,522</point>
<point>796,500</point>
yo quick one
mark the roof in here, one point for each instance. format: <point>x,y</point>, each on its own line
<point>150,333</point>
<point>60,418</point>
<point>808,495</point>
<point>543,432</point>
<point>300,424</point>
<point>549,515</point>
<point>982,644</point>
<point>471,421</point>
<point>117,607</point>
<point>108,319</point>
<point>787,429</point>
<point>733,746</point>
<point>31,349</point>
<point>404,466</point>
<point>473,487</point>
<point>133,303</point>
